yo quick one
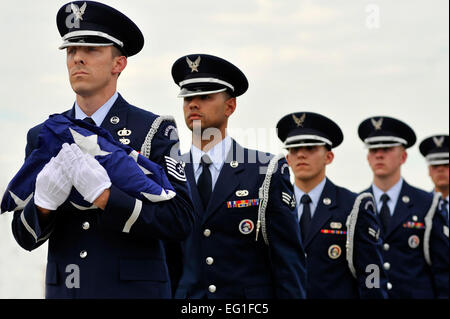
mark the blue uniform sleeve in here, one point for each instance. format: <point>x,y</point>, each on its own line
<point>439,255</point>
<point>30,228</point>
<point>366,250</point>
<point>287,255</point>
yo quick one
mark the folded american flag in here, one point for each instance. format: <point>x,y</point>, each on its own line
<point>131,172</point>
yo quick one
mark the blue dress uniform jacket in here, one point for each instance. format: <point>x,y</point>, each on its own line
<point>112,262</point>
<point>328,272</point>
<point>403,252</point>
<point>220,261</point>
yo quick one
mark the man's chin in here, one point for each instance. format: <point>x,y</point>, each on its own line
<point>82,89</point>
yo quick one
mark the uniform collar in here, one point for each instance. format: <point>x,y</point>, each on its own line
<point>393,193</point>
<point>314,194</point>
<point>217,154</point>
<point>100,114</point>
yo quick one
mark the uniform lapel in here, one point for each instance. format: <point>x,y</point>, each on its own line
<point>189,170</point>
<point>119,110</point>
<point>402,209</point>
<point>323,211</point>
<point>227,182</point>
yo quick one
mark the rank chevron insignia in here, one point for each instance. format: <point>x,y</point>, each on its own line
<point>194,65</point>
<point>377,124</point>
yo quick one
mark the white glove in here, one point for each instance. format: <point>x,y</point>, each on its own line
<point>87,175</point>
<point>52,185</point>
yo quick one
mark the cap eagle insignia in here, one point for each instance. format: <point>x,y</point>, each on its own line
<point>377,124</point>
<point>194,65</point>
<point>78,12</point>
<point>299,121</point>
<point>438,141</point>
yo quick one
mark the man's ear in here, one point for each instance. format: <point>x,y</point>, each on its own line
<point>119,64</point>
<point>329,157</point>
<point>230,106</point>
<point>404,155</point>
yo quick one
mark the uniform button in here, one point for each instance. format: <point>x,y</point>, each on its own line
<point>387,266</point>
<point>386,247</point>
<point>209,260</point>
<point>83,254</point>
<point>207,233</point>
<point>86,225</point>
<point>212,289</point>
<point>389,286</point>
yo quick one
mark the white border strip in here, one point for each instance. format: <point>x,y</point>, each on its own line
<point>437,155</point>
<point>439,162</point>
<point>92,33</point>
<point>134,216</point>
<point>207,80</point>
<point>351,225</point>
<point>429,226</point>
<point>147,145</point>
<point>264,191</point>
<point>303,137</point>
<point>375,139</point>
<point>31,230</point>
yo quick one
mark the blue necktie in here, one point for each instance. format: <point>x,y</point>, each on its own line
<point>204,183</point>
<point>305,220</point>
<point>89,120</point>
<point>444,209</point>
<point>385,213</point>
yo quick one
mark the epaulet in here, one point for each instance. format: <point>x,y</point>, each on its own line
<point>147,145</point>
<point>352,218</point>
<point>264,198</point>
<point>429,226</point>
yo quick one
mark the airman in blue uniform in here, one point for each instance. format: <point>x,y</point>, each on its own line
<point>245,242</point>
<point>112,248</point>
<point>436,152</point>
<point>415,247</point>
<point>339,229</point>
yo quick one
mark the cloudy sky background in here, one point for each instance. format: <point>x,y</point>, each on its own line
<point>348,60</point>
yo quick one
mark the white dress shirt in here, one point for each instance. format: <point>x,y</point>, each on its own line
<point>393,193</point>
<point>217,154</point>
<point>100,114</point>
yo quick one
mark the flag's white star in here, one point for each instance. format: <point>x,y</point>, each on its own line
<point>159,198</point>
<point>134,155</point>
<point>20,203</point>
<point>88,144</point>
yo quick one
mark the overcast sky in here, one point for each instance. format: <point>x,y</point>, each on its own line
<point>347,60</point>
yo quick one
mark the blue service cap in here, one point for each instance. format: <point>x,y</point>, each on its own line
<point>384,131</point>
<point>201,74</point>
<point>435,149</point>
<point>302,129</point>
<point>90,23</point>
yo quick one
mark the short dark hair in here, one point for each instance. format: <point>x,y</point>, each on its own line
<point>116,52</point>
<point>228,95</point>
